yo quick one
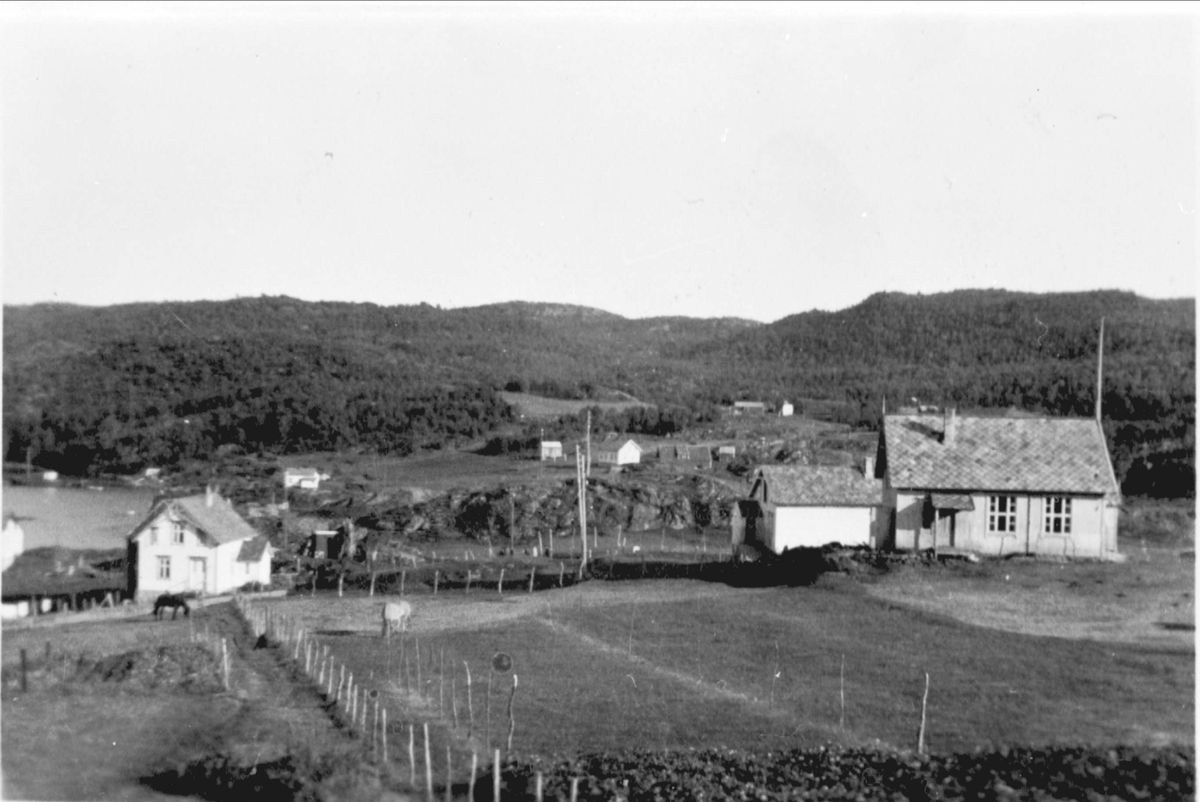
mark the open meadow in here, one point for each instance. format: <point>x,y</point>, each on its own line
<point>686,663</point>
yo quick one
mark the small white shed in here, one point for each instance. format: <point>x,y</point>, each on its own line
<point>552,450</point>
<point>626,453</point>
<point>810,506</point>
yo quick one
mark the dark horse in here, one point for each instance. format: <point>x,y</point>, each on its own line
<point>174,602</point>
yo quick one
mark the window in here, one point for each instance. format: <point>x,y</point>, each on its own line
<point>1058,515</point>
<point>164,567</point>
<point>178,528</point>
<point>1002,514</point>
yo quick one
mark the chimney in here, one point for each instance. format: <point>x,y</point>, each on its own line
<point>949,427</point>
<point>869,467</point>
<point>210,495</point>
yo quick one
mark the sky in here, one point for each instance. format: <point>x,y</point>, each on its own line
<point>707,160</point>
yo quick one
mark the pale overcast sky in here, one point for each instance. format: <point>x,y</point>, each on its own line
<point>703,160</point>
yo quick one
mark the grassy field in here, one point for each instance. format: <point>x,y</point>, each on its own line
<point>679,663</point>
<point>536,407</point>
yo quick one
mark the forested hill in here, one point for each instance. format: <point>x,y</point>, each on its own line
<point>991,348</point>
<point>114,388</point>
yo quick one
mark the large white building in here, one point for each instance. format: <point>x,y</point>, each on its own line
<point>196,544</point>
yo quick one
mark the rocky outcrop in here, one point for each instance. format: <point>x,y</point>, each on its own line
<point>521,513</point>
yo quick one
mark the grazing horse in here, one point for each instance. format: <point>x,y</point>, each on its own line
<point>395,617</point>
<point>174,602</point>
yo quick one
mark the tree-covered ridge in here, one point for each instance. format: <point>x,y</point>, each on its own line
<point>133,403</point>
<point>286,375</point>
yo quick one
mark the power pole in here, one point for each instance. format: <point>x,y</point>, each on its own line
<point>581,479</point>
<point>1100,372</point>
<point>589,443</point>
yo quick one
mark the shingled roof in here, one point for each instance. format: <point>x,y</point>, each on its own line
<point>819,486</point>
<point>220,522</point>
<point>252,550</point>
<point>1030,455</point>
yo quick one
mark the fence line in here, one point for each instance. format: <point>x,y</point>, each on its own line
<point>348,698</point>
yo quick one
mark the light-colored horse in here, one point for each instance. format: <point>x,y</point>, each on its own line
<point>395,617</point>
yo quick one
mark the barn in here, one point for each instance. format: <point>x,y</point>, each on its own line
<point>1000,485</point>
<point>195,544</point>
<point>303,478</point>
<point>810,506</point>
<point>617,453</point>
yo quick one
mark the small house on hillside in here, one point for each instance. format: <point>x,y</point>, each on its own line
<point>749,408</point>
<point>303,478</point>
<point>195,544</point>
<point>698,456</point>
<point>809,506</point>
<point>12,540</point>
<point>618,453</point>
<point>552,450</point>
<point>1000,485</point>
<point>786,409</point>
<point>726,453</point>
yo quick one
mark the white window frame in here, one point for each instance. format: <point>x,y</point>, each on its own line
<point>164,567</point>
<point>1057,513</point>
<point>1002,515</point>
<point>177,534</point>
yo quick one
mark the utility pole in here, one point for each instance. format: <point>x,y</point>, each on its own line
<point>589,443</point>
<point>581,479</point>
<point>1100,372</point>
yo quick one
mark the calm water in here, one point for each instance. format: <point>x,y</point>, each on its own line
<point>77,518</point>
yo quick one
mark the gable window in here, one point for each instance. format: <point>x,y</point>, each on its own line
<point>178,533</point>
<point>1058,515</point>
<point>1002,513</point>
<point>164,567</point>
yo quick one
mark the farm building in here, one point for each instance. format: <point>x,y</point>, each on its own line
<point>617,453</point>
<point>12,540</point>
<point>195,544</point>
<point>699,456</point>
<point>1000,485</point>
<point>786,409</point>
<point>552,450</point>
<point>809,506</point>
<point>725,453</point>
<point>749,407</point>
<point>303,478</point>
<point>325,544</point>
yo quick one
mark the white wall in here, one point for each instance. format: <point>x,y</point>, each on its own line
<point>1091,535</point>
<point>12,543</point>
<point>813,527</point>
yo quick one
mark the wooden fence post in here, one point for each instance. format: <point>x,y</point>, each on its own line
<point>428,766</point>
<point>470,707</point>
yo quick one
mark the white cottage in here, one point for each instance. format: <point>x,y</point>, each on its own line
<point>303,478</point>
<point>627,453</point>
<point>195,544</point>
<point>809,506</point>
<point>12,541</point>
<point>552,450</point>
<point>997,485</point>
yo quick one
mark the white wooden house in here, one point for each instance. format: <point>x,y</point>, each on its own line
<point>303,478</point>
<point>786,409</point>
<point>195,544</point>
<point>12,540</point>
<point>618,453</point>
<point>809,506</point>
<point>552,450</point>
<point>1000,485</point>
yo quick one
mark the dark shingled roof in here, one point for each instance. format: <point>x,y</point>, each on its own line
<point>819,486</point>
<point>252,550</point>
<point>220,522</point>
<point>1031,455</point>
